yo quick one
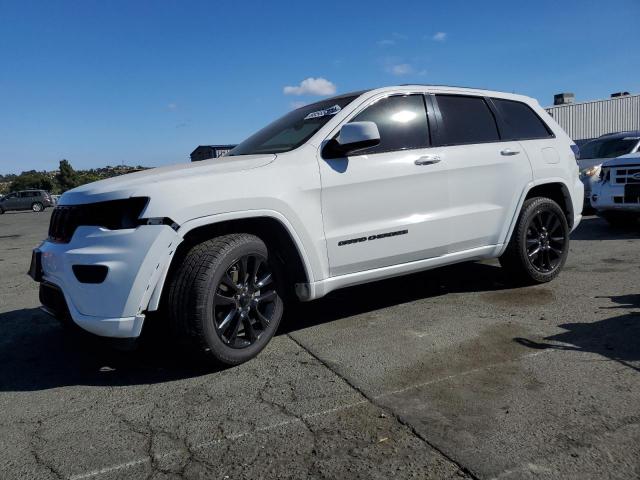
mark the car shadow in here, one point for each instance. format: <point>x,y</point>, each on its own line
<point>596,228</point>
<point>37,353</point>
<point>459,278</point>
<point>616,338</point>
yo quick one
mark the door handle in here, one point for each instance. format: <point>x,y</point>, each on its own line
<point>507,152</point>
<point>428,160</point>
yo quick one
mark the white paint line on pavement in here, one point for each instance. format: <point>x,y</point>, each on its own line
<point>143,460</point>
<point>235,436</point>
<point>460,374</point>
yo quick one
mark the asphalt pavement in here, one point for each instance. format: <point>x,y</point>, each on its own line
<point>449,373</point>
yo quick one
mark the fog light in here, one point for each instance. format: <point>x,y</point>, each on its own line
<point>90,273</point>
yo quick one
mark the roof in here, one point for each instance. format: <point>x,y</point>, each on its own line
<point>611,99</point>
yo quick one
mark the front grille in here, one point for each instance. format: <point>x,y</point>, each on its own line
<point>63,224</point>
<point>627,175</point>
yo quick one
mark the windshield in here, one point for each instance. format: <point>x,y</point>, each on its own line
<point>292,130</point>
<point>608,148</point>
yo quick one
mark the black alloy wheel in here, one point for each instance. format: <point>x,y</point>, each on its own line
<point>545,240</point>
<point>245,301</point>
<point>539,244</point>
<point>224,300</point>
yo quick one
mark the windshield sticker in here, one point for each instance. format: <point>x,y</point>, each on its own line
<point>322,113</point>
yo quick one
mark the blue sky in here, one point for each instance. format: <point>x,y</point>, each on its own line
<point>144,82</point>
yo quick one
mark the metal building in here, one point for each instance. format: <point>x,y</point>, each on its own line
<point>587,120</point>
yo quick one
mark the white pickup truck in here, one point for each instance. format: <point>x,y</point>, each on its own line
<point>348,190</point>
<point>616,196</point>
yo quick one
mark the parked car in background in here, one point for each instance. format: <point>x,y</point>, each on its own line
<point>593,153</point>
<point>348,190</point>
<point>616,197</point>
<point>36,200</point>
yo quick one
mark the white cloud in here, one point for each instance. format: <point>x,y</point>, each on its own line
<point>386,42</point>
<point>172,106</point>
<point>312,86</point>
<point>401,69</point>
<point>440,36</point>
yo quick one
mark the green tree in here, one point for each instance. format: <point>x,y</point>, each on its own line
<point>67,177</point>
<point>32,180</point>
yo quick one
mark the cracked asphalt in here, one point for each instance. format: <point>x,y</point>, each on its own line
<point>449,373</point>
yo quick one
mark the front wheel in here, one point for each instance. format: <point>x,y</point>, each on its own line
<point>539,245</point>
<point>224,298</point>
<point>37,207</point>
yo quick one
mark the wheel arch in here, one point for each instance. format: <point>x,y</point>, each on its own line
<point>556,190</point>
<point>559,193</point>
<point>276,232</point>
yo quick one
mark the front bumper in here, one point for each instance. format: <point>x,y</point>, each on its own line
<point>611,197</point>
<point>135,259</point>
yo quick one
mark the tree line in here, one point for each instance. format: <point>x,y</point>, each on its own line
<point>64,179</point>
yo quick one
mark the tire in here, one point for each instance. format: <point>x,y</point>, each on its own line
<point>212,282</point>
<point>539,244</point>
<point>37,207</point>
<point>1,210</point>
<point>619,219</point>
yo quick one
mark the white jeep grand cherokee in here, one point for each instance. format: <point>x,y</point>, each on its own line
<point>348,190</point>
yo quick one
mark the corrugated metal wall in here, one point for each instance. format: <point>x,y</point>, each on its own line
<point>592,119</point>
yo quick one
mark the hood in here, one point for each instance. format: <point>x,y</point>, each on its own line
<point>156,180</point>
<point>628,159</point>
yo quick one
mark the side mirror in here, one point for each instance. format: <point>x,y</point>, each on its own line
<point>357,135</point>
<point>353,136</point>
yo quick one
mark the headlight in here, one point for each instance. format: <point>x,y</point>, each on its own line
<point>589,172</point>
<point>114,215</point>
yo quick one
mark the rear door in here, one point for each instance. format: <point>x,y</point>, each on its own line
<point>486,173</point>
<point>24,200</point>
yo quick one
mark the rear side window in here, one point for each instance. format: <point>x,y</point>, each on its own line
<point>520,121</point>
<point>401,121</point>
<point>465,120</point>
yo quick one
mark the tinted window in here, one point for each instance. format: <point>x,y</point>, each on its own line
<point>608,147</point>
<point>521,123</point>
<point>401,121</point>
<point>465,120</point>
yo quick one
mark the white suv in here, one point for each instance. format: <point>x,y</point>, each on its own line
<point>348,190</point>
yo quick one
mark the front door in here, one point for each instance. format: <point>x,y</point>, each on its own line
<point>11,202</point>
<point>387,204</point>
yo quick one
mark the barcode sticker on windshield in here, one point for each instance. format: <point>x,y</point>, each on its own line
<point>322,113</point>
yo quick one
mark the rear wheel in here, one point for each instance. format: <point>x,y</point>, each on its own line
<point>539,245</point>
<point>224,298</point>
<point>37,207</point>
